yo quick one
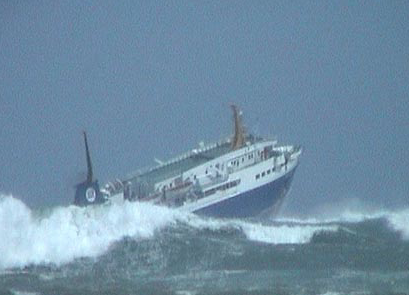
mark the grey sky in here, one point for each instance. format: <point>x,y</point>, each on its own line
<point>151,79</point>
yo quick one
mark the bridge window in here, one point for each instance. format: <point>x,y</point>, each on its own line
<point>257,176</point>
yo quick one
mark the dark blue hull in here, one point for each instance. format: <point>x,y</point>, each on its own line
<point>252,203</point>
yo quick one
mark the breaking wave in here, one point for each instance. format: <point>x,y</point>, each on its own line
<point>400,222</point>
<point>66,233</point>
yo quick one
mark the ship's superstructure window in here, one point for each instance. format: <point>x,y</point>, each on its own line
<point>236,162</point>
<point>222,187</point>
<point>209,192</point>
<point>264,173</point>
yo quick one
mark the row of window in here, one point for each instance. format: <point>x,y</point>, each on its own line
<point>264,173</point>
<point>222,187</point>
<point>237,161</point>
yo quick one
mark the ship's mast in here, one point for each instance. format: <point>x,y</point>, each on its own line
<point>239,136</point>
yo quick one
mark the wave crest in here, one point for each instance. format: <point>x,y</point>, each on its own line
<point>71,232</point>
<point>67,233</point>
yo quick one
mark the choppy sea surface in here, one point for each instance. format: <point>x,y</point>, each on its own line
<point>135,248</point>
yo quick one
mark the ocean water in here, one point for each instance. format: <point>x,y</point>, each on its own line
<point>136,248</point>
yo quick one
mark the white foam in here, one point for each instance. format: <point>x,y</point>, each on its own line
<point>15,292</point>
<point>345,215</point>
<point>298,233</point>
<point>400,222</point>
<point>71,232</point>
<point>284,234</point>
<point>398,219</point>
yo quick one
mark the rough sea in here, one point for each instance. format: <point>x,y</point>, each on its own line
<point>136,248</point>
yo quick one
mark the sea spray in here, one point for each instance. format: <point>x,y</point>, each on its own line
<point>276,233</point>
<point>67,233</point>
<point>136,248</point>
<point>400,222</point>
<point>71,232</point>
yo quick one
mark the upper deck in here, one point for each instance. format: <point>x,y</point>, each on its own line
<point>187,161</point>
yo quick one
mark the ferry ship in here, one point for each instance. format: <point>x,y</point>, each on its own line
<point>239,177</point>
